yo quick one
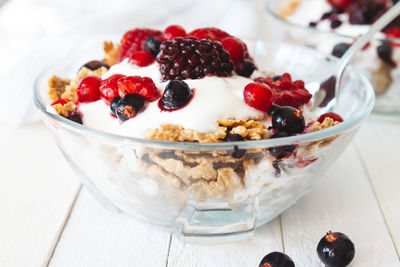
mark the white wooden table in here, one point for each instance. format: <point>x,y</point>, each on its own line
<point>48,219</point>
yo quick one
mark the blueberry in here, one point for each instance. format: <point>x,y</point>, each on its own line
<point>129,106</point>
<point>312,24</point>
<point>335,23</point>
<point>276,259</point>
<point>339,49</point>
<point>75,116</point>
<point>288,119</point>
<point>95,64</point>
<point>280,152</point>
<point>335,249</point>
<point>385,52</point>
<point>113,105</point>
<point>176,95</point>
<point>152,45</point>
<point>276,78</point>
<point>245,68</point>
<point>272,109</point>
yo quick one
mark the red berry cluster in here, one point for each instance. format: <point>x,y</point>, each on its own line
<point>92,88</point>
<point>287,92</point>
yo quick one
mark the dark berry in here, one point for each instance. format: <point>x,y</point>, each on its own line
<point>173,31</point>
<point>143,86</point>
<point>128,106</point>
<point>339,49</point>
<point>75,116</point>
<point>312,24</point>
<point>258,96</point>
<point>335,23</point>
<point>276,259</point>
<point>134,41</point>
<point>332,115</point>
<point>326,15</point>
<point>272,109</point>
<point>189,58</point>
<point>329,87</point>
<point>245,68</point>
<point>288,119</point>
<point>280,152</point>
<point>365,11</point>
<point>152,45</point>
<point>88,89</point>
<point>335,249</point>
<point>385,52</point>
<point>176,95</point>
<point>234,138</point>
<point>238,153</point>
<point>276,78</point>
<point>95,64</point>
<point>113,105</point>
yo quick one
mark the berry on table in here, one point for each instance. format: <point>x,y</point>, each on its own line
<point>95,64</point>
<point>189,58</point>
<point>152,45</point>
<point>172,32</point>
<point>288,119</point>
<point>176,95</point>
<point>276,259</point>
<point>335,249</point>
<point>245,68</point>
<point>113,105</point>
<point>109,87</point>
<point>134,41</point>
<point>332,115</point>
<point>141,58</point>
<point>88,89</point>
<point>143,86</point>
<point>235,47</point>
<point>258,96</point>
<point>128,106</point>
<point>339,49</point>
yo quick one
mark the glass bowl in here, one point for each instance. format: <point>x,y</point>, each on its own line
<point>385,79</point>
<point>212,192</point>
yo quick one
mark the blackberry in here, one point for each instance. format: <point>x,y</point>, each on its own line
<point>190,58</point>
<point>176,95</point>
<point>335,249</point>
<point>245,68</point>
<point>95,64</point>
<point>129,106</point>
<point>276,259</point>
<point>288,119</point>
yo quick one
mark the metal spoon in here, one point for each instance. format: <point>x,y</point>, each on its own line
<point>381,23</point>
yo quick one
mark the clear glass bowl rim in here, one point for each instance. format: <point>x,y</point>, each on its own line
<point>253,144</point>
<point>271,11</point>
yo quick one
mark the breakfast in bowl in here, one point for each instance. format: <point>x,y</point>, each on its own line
<point>200,132</point>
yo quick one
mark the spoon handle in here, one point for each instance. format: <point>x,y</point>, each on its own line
<point>381,23</point>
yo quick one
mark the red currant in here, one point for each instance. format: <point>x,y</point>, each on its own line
<point>235,47</point>
<point>141,58</point>
<point>109,87</point>
<point>332,115</point>
<point>172,32</point>
<point>88,89</point>
<point>340,3</point>
<point>143,86</point>
<point>258,96</point>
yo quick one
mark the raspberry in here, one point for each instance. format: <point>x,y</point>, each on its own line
<point>258,96</point>
<point>286,92</point>
<point>172,32</point>
<point>332,115</point>
<point>189,58</point>
<point>134,40</point>
<point>143,86</point>
<point>210,33</point>
<point>342,4</point>
<point>88,89</point>
<point>109,87</point>
<point>141,58</point>
<point>393,33</point>
<point>235,47</point>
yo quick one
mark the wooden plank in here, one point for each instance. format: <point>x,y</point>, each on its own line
<point>343,201</point>
<point>246,253</point>
<point>95,236</point>
<point>36,193</point>
<point>379,146</point>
